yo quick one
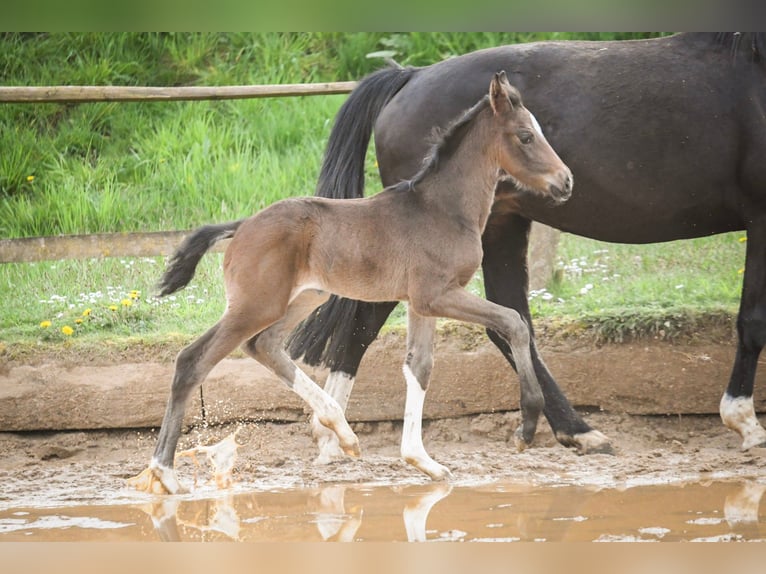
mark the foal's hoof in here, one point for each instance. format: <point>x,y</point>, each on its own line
<point>155,480</point>
<point>518,440</point>
<point>352,448</point>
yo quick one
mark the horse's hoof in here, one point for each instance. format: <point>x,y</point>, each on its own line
<point>435,471</point>
<point>591,442</point>
<point>352,449</point>
<point>148,481</point>
<point>518,440</point>
<point>157,480</point>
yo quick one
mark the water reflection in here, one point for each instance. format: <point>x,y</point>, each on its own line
<point>702,511</point>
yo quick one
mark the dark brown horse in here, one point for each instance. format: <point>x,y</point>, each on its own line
<point>666,138</point>
<point>418,242</point>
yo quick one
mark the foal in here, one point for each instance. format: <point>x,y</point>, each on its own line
<point>419,242</point>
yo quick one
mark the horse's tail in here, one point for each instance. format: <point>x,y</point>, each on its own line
<point>342,173</point>
<point>183,264</point>
<point>319,338</point>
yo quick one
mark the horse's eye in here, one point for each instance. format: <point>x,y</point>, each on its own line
<point>526,137</point>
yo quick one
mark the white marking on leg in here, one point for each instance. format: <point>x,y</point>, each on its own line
<point>327,411</point>
<point>338,386</point>
<point>738,414</point>
<point>590,442</point>
<point>167,477</point>
<point>412,448</point>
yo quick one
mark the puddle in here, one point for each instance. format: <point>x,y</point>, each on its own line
<point>727,510</point>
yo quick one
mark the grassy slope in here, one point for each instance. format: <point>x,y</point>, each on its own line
<point>114,166</point>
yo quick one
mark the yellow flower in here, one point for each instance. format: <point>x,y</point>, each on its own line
<point>135,294</point>
<point>30,178</point>
<point>67,330</point>
<point>741,271</point>
<point>743,239</point>
<point>78,321</point>
<point>126,302</point>
<point>86,313</point>
<point>112,307</point>
<point>45,324</point>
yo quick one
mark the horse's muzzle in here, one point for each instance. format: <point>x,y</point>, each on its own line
<point>560,194</point>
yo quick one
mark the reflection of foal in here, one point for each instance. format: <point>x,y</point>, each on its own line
<point>419,242</point>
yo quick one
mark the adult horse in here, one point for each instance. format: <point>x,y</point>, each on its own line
<point>666,139</point>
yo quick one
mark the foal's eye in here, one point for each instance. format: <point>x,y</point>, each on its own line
<point>526,137</point>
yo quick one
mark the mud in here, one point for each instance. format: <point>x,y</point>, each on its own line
<point>671,478</point>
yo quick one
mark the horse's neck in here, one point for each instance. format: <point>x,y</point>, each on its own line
<point>464,184</point>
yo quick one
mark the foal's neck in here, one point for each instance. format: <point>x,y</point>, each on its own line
<point>463,184</point>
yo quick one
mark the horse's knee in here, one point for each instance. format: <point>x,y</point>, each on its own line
<point>420,365</point>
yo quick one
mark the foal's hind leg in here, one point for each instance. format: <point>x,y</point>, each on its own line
<point>417,373</point>
<point>463,306</point>
<point>193,364</point>
<point>268,349</point>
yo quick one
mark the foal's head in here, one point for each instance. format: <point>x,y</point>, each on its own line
<point>528,162</point>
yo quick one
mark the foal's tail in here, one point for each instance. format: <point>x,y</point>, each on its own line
<point>182,265</point>
<point>319,338</point>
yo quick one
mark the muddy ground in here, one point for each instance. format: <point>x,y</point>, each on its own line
<point>71,466</point>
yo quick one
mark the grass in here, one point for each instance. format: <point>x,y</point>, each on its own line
<point>110,167</point>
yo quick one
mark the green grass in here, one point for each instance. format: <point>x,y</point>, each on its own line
<point>110,167</point>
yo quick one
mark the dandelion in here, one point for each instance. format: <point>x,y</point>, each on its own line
<point>67,330</point>
<point>30,178</point>
<point>134,294</point>
<point>126,302</point>
<point>112,307</point>
<point>78,321</point>
<point>742,239</point>
<point>45,324</point>
<point>740,271</point>
<point>86,313</point>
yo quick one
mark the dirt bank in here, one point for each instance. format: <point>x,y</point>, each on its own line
<point>644,395</point>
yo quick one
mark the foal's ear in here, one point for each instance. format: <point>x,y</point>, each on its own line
<point>499,89</point>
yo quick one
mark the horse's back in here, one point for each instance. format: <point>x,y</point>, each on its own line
<point>653,130</point>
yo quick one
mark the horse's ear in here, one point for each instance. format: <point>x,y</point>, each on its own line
<point>498,93</point>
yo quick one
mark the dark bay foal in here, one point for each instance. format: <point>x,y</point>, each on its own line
<point>419,242</point>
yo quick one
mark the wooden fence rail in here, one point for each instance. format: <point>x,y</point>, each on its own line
<point>70,94</point>
<point>130,244</point>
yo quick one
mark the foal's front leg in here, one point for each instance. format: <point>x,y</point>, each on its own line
<point>417,373</point>
<point>461,305</point>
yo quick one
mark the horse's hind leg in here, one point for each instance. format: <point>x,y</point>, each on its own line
<point>463,306</point>
<point>736,408</point>
<point>268,349</point>
<point>347,344</point>
<point>417,373</point>
<point>193,364</point>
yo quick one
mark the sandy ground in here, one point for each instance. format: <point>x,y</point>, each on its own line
<point>41,469</point>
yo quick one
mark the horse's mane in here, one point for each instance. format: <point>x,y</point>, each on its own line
<point>446,141</point>
<point>751,45</point>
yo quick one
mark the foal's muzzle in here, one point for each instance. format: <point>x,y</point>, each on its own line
<point>560,194</point>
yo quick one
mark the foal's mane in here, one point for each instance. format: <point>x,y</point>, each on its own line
<point>446,142</point>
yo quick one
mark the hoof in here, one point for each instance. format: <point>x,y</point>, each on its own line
<point>157,480</point>
<point>352,449</point>
<point>435,471</point>
<point>518,440</point>
<point>591,442</point>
